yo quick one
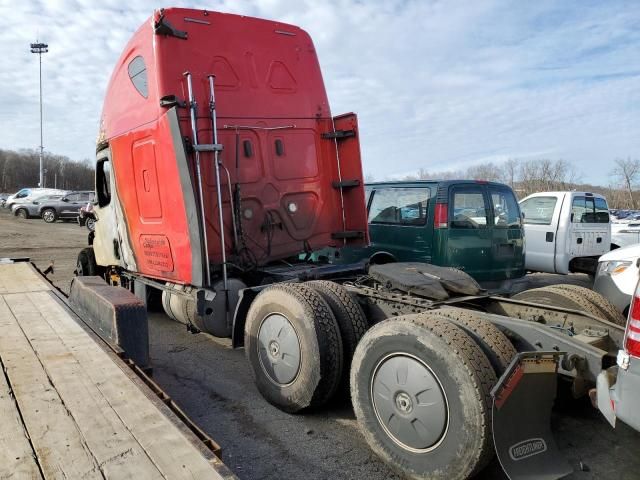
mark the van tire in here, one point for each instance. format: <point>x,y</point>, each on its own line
<point>320,357</point>
<point>349,315</point>
<point>494,344</point>
<point>608,309</point>
<point>559,298</point>
<point>461,374</point>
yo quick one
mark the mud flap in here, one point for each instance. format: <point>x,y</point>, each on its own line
<point>522,402</point>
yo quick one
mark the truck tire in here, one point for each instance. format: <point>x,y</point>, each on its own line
<point>22,213</point>
<point>49,215</point>
<point>349,315</point>
<point>495,344</point>
<point>608,309</point>
<point>559,298</point>
<point>404,362</point>
<point>86,264</point>
<point>292,342</point>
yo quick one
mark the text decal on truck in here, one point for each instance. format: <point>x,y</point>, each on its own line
<point>527,448</point>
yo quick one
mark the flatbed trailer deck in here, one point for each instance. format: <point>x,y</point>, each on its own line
<point>71,408</point>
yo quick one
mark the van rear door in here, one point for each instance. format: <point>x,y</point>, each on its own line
<point>466,243</point>
<point>507,236</point>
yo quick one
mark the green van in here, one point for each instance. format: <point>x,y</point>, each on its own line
<point>474,226</point>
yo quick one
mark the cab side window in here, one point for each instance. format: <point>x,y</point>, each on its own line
<point>399,206</point>
<point>103,182</point>
<point>538,210</point>
<point>589,210</point>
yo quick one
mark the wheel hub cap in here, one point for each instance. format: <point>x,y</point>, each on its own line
<point>278,349</point>
<point>409,402</point>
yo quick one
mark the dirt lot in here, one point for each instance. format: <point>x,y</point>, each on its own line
<point>212,383</point>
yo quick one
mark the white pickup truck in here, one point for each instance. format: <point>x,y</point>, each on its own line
<point>565,231</point>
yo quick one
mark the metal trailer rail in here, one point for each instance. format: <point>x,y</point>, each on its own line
<point>72,408</point>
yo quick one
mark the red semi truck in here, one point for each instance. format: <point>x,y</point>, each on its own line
<point>219,166</point>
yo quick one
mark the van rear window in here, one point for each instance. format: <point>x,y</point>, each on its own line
<point>538,210</point>
<point>589,210</point>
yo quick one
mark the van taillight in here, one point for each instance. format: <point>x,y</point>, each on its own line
<point>632,335</point>
<point>441,216</point>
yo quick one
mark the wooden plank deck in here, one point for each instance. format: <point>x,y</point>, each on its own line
<point>69,409</point>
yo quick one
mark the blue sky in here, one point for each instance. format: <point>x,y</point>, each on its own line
<point>436,85</point>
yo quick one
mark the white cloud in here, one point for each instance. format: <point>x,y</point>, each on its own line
<point>435,84</point>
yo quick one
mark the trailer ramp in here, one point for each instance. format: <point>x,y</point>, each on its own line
<point>70,408</point>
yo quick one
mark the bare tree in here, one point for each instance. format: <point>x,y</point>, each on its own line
<point>627,171</point>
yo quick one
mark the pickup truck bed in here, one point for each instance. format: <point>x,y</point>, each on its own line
<point>71,408</point>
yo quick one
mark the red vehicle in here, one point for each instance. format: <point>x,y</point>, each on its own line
<point>218,155</point>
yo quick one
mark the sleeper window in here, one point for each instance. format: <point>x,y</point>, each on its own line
<point>138,75</point>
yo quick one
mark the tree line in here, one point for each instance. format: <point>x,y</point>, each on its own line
<point>19,169</point>
<point>530,176</point>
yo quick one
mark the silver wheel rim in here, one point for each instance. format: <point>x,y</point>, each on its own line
<point>79,269</point>
<point>22,214</point>
<point>48,216</point>
<point>409,402</point>
<point>90,224</point>
<point>279,349</point>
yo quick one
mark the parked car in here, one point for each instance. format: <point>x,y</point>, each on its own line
<point>32,209</point>
<point>3,199</point>
<point>65,208</point>
<point>565,231</point>
<point>29,194</point>
<point>87,217</point>
<point>617,275</point>
<point>470,225</point>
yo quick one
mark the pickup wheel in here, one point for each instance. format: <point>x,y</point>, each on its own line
<point>495,344</point>
<point>293,344</point>
<point>608,309</point>
<point>349,315</point>
<point>560,298</point>
<point>49,215</point>
<point>420,388</point>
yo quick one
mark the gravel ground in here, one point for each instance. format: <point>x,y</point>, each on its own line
<point>213,384</point>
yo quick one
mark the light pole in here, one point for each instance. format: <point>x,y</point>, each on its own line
<point>40,48</point>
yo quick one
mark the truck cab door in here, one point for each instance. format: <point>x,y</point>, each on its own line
<point>541,217</point>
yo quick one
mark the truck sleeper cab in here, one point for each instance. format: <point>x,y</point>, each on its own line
<point>471,225</point>
<point>566,231</point>
<point>211,115</point>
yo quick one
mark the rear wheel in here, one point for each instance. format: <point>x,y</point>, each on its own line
<point>607,308</point>
<point>49,215</point>
<point>293,344</point>
<point>559,298</point>
<point>495,344</point>
<point>420,388</point>
<point>22,213</point>
<point>349,315</point>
